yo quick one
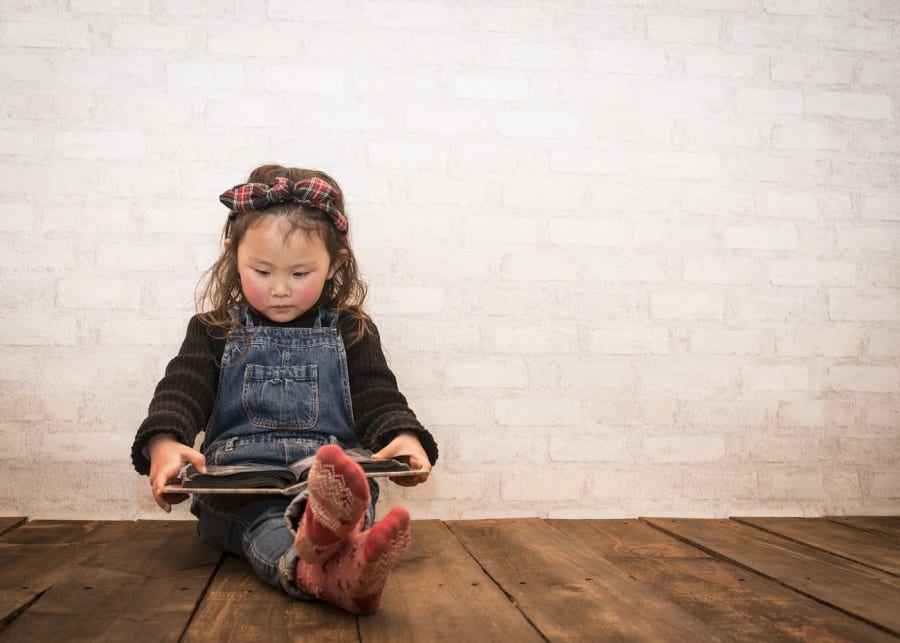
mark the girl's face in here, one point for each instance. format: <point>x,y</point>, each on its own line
<point>282,277</point>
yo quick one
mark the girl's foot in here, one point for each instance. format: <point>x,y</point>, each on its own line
<point>338,497</point>
<point>354,577</point>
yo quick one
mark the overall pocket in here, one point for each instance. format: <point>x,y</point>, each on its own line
<point>281,397</point>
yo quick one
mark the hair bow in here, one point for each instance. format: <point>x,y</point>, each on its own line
<point>313,192</point>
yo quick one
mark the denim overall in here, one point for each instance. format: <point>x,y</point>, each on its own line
<point>283,393</point>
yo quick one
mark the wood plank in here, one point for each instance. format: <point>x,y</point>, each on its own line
<point>885,525</point>
<point>864,592</point>
<point>439,593</point>
<point>142,585</point>
<point>37,554</point>
<point>568,593</point>
<point>239,607</point>
<point>863,546</point>
<point>10,522</point>
<point>739,605</point>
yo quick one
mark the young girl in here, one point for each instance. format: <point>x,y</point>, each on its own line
<point>285,363</point>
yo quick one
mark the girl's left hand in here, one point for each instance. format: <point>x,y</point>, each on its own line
<point>407,445</point>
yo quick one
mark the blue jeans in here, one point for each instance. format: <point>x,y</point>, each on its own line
<point>260,529</point>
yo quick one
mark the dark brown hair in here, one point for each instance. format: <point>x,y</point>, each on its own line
<point>220,290</point>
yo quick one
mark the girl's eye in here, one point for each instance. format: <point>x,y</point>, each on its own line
<point>300,274</point>
<point>262,273</point>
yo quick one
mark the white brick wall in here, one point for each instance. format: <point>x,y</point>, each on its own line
<point>628,258</point>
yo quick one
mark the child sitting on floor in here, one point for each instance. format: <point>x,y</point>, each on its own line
<point>284,363</point>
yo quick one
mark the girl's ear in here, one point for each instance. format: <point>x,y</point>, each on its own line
<point>342,257</point>
<point>227,243</point>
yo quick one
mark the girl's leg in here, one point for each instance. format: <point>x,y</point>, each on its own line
<point>338,564</point>
<point>354,577</point>
<point>336,505</point>
<point>254,529</point>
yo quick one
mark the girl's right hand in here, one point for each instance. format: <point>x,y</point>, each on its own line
<point>167,456</point>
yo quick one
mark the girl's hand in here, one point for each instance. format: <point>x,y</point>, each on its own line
<point>407,445</point>
<point>167,456</point>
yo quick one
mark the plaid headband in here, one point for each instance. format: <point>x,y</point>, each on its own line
<point>313,193</point>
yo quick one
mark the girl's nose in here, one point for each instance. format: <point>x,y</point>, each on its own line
<point>280,289</point>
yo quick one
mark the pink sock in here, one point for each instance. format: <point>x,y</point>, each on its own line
<point>354,577</point>
<point>338,497</point>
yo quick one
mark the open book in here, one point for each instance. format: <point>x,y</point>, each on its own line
<point>288,481</point>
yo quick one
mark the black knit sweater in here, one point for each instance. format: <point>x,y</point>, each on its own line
<point>184,398</point>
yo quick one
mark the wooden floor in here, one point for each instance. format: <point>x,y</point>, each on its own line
<point>759,579</point>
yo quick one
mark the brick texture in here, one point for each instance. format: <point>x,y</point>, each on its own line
<point>627,257</point>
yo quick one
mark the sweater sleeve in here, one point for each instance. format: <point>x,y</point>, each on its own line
<point>184,398</point>
<point>380,410</point>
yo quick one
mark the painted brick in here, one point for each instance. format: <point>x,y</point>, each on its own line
<point>630,341</point>
<point>721,64</point>
<point>628,60</point>
<point>579,159</point>
<point>536,486</point>
<point>810,136</point>
<point>775,378</point>
<point>205,75</point>
<point>408,300</point>
<point>35,331</point>
<point>482,374</point>
<point>884,207</point>
<point>619,269</point>
<point>111,6</point>
<point>823,70</point>
<point>688,378</point>
<point>849,307</point>
<point>719,271</point>
<point>836,8</point>
<point>505,87</point>
<point>406,154</point>
<point>538,266</point>
<point>589,232</point>
<point>769,101</point>
<point>816,413</point>
<point>501,229</point>
<point>153,38</point>
<point>565,195</point>
<point>812,273</point>
<point>441,191</point>
<point>652,233</point>
<point>872,106</point>
<point>686,305</point>
<point>49,106</point>
<point>229,39</point>
<point>455,120</point>
<point>681,165</point>
<point>726,342</point>
<point>538,124</point>
<point>17,217</point>
<point>886,484</point>
<point>683,448</point>
<point>535,56</point>
<point>538,412</point>
<point>99,292</point>
<point>590,445</point>
<point>683,29</point>
<point>760,237</point>
<point>100,144</point>
<point>283,78</point>
<point>536,339</point>
<point>390,14</point>
<point>45,34</point>
<point>829,342</point>
<point>873,379</point>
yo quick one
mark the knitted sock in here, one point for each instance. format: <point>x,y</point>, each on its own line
<point>338,497</point>
<point>354,577</point>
